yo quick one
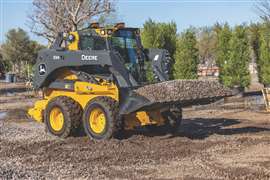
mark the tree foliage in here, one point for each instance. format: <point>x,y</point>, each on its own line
<point>49,17</point>
<point>2,66</point>
<point>186,57</point>
<point>159,35</point>
<point>18,50</point>
<point>207,42</point>
<point>235,69</point>
<point>15,48</point>
<point>254,38</point>
<point>264,55</point>
<point>1,56</point>
<point>223,49</point>
<point>223,45</point>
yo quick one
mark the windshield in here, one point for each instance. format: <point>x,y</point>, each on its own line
<point>127,43</point>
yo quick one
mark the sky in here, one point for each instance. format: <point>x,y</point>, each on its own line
<point>186,13</point>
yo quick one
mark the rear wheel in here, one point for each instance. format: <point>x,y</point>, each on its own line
<point>63,116</point>
<point>173,118</point>
<point>101,119</point>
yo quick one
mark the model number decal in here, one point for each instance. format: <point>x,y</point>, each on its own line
<point>56,57</point>
<point>89,58</point>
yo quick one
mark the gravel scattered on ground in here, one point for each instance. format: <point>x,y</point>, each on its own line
<point>211,144</point>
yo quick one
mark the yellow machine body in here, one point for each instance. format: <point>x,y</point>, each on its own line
<point>84,92</point>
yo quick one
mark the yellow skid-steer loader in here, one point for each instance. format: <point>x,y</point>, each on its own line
<point>88,79</point>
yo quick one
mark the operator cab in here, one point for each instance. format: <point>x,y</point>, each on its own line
<point>127,43</point>
<point>122,40</point>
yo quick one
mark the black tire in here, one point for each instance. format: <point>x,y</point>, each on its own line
<point>166,64</point>
<point>110,109</point>
<point>72,113</point>
<point>173,118</point>
<point>166,67</point>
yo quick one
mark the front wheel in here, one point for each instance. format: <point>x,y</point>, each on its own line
<point>101,118</point>
<point>63,116</point>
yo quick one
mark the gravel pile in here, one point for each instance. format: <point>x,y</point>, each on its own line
<point>181,90</point>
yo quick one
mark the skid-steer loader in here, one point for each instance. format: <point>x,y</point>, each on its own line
<point>88,77</point>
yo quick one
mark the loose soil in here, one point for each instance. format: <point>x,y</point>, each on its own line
<point>211,144</point>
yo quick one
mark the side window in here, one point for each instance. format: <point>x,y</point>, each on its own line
<point>99,43</point>
<point>131,43</point>
<point>86,42</point>
<point>92,42</point>
<point>118,42</point>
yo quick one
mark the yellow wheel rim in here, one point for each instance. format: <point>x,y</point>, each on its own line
<point>56,119</point>
<point>97,120</point>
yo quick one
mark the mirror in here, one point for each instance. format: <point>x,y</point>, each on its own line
<point>71,38</point>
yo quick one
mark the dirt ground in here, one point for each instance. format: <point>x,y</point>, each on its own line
<point>211,144</point>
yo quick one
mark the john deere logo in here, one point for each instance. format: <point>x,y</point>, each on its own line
<point>89,58</point>
<point>42,69</point>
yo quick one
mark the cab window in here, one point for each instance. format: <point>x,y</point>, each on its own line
<point>125,42</point>
<point>88,42</point>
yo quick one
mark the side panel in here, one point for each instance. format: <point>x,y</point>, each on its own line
<point>49,61</point>
<point>82,99</point>
<point>82,92</point>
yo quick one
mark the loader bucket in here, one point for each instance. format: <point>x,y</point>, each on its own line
<point>182,93</point>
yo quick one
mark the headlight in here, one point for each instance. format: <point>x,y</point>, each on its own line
<point>102,32</point>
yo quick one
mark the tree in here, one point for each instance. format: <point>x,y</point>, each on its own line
<point>159,35</point>
<point>1,63</point>
<point>15,48</point>
<point>263,10</point>
<point>235,70</point>
<point>186,57</point>
<point>109,20</point>
<point>263,61</point>
<point>207,42</point>
<point>18,50</point>
<point>223,48</point>
<point>1,56</point>
<point>254,37</point>
<point>264,55</point>
<point>4,65</point>
<point>217,28</point>
<point>33,48</point>
<point>49,17</point>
